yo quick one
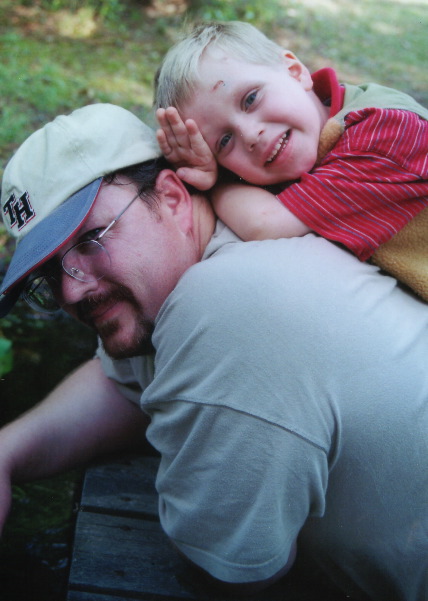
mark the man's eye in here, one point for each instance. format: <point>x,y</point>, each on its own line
<point>250,99</point>
<point>50,269</point>
<point>92,234</point>
<point>224,141</point>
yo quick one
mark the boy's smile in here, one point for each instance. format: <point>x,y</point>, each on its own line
<point>262,122</point>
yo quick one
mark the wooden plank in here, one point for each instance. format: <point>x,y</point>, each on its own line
<point>133,557</point>
<point>85,596</point>
<point>125,486</point>
<point>117,555</point>
<point>121,553</point>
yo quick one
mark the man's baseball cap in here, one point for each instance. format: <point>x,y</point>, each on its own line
<point>50,184</point>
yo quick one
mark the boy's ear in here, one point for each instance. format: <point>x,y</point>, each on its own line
<point>297,70</point>
<point>174,197</point>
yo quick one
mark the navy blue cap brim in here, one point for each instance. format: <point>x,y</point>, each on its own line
<point>7,301</point>
<point>44,241</point>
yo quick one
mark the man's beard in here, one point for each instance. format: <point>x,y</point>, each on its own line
<point>141,342</point>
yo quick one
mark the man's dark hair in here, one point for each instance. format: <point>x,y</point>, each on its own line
<point>144,176</point>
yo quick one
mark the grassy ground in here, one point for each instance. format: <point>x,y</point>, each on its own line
<point>54,61</point>
<point>57,55</point>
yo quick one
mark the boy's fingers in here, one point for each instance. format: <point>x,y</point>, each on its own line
<point>172,115</point>
<point>183,144</point>
<point>172,127</point>
<point>195,133</point>
<point>163,142</point>
<point>192,127</point>
<point>181,134</point>
<point>196,178</point>
<point>198,142</point>
<point>175,122</point>
<point>162,119</point>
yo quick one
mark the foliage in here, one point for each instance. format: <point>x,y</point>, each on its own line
<point>258,11</point>
<point>34,551</point>
<point>6,356</point>
<point>105,9</point>
<point>35,541</point>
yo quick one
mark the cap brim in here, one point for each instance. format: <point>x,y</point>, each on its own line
<point>7,301</point>
<point>45,240</point>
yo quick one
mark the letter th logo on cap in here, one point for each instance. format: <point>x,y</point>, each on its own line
<point>18,210</point>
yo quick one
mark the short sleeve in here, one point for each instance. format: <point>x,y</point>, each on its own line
<point>234,489</point>
<point>236,411</point>
<point>131,376</point>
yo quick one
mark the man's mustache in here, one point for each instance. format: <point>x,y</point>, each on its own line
<point>86,307</point>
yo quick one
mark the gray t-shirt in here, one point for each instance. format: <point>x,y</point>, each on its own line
<point>289,394</point>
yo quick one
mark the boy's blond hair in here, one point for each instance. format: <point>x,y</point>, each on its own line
<point>178,75</point>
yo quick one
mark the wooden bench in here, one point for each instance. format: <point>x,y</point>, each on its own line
<point>120,552</point>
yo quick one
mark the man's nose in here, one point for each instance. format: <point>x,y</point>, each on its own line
<point>73,291</point>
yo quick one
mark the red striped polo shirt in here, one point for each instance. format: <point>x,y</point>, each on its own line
<point>373,182</point>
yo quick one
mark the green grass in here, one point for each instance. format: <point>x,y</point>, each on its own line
<point>56,60</point>
<point>383,41</point>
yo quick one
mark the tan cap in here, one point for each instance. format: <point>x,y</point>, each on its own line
<point>51,182</point>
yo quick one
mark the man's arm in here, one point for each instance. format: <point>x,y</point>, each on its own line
<point>84,416</point>
<point>244,588</point>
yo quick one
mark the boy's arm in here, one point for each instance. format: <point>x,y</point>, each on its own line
<point>254,213</point>
<point>184,146</point>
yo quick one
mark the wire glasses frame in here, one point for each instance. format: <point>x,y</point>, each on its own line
<point>86,261</point>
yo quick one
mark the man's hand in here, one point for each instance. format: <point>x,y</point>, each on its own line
<point>5,499</point>
<point>184,146</point>
<point>84,416</point>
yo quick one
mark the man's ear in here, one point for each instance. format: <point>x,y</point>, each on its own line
<point>297,70</point>
<point>174,198</point>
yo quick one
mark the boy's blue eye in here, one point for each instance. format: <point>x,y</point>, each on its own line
<point>250,99</point>
<point>225,141</point>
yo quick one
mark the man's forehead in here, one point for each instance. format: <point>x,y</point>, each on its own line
<point>101,207</point>
<point>111,195</point>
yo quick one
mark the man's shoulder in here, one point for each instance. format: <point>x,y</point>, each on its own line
<point>235,262</point>
<point>276,277</point>
<point>240,279</point>
<point>254,275</point>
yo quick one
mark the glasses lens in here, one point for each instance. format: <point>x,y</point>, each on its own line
<point>39,295</point>
<point>87,261</point>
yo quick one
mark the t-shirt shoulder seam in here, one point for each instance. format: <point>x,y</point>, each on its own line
<point>290,429</point>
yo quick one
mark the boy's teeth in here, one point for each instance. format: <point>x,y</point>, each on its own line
<point>282,142</point>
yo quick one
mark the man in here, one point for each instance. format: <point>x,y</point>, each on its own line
<point>287,392</point>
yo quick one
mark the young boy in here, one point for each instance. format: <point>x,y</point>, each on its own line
<point>357,155</point>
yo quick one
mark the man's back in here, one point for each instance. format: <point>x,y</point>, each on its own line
<point>290,392</point>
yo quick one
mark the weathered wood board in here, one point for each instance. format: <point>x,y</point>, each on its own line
<point>120,552</point>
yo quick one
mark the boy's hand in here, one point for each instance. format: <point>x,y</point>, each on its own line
<point>183,145</point>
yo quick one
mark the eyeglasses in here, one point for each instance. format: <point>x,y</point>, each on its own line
<point>86,261</point>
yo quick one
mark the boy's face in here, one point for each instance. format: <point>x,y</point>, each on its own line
<point>262,122</point>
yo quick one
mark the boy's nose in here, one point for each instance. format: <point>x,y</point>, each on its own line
<point>251,136</point>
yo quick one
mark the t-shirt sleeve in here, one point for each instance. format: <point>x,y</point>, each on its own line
<point>234,489</point>
<point>131,376</point>
<point>237,417</point>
